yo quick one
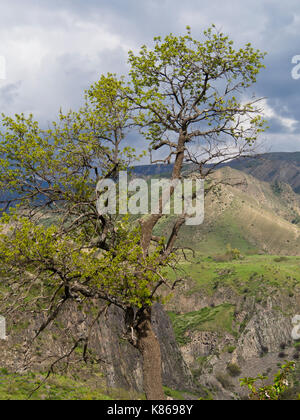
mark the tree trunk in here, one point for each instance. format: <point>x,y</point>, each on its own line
<point>147,341</point>
<point>149,348</point>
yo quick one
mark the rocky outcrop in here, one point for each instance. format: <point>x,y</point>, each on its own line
<point>260,341</point>
<point>208,361</point>
<point>119,361</point>
<point>123,362</point>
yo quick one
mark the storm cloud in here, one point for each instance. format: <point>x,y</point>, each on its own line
<point>55,49</point>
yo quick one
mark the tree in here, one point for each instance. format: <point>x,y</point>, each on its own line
<point>188,95</point>
<point>55,246</point>
<point>181,96</point>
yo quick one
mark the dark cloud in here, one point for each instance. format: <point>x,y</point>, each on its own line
<point>56,49</point>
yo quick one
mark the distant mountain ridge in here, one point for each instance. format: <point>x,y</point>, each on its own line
<point>269,167</point>
<point>272,167</point>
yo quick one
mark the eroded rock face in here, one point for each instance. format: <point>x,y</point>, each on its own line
<point>119,361</point>
<point>262,340</point>
<point>264,333</point>
<point>124,368</point>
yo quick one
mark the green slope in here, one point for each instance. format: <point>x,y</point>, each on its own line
<point>247,214</point>
<point>252,275</point>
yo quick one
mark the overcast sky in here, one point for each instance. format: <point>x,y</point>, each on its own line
<point>54,49</point>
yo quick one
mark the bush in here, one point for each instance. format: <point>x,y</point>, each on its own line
<point>282,346</point>
<point>282,355</point>
<point>236,254</point>
<point>234,370</point>
<point>277,188</point>
<point>230,255</point>
<point>280,259</point>
<point>297,345</point>
<point>296,221</point>
<point>280,389</point>
<point>231,349</point>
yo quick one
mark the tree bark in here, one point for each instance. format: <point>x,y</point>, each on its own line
<point>149,347</point>
<point>148,223</point>
<point>147,341</point>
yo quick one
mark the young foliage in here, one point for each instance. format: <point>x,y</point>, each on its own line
<point>194,87</point>
<point>41,264</point>
<point>260,391</point>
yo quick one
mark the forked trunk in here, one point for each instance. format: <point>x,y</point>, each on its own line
<point>149,348</point>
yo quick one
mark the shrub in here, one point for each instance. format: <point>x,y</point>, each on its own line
<point>230,255</point>
<point>234,370</point>
<point>296,220</point>
<point>277,188</point>
<point>280,259</point>
<point>231,349</point>
<point>282,355</point>
<point>282,346</point>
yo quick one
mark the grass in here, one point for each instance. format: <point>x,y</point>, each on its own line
<point>208,239</point>
<point>203,394</point>
<point>19,387</point>
<point>253,275</point>
<point>259,276</point>
<point>61,388</point>
<point>218,319</point>
<point>176,395</point>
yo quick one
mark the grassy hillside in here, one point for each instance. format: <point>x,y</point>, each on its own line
<point>252,275</point>
<point>20,387</point>
<point>218,319</point>
<point>248,214</point>
<point>246,252</point>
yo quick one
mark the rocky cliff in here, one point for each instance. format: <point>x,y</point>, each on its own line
<point>117,360</point>
<point>220,338</point>
<point>226,336</point>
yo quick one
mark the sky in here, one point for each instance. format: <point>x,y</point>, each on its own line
<point>55,49</point>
